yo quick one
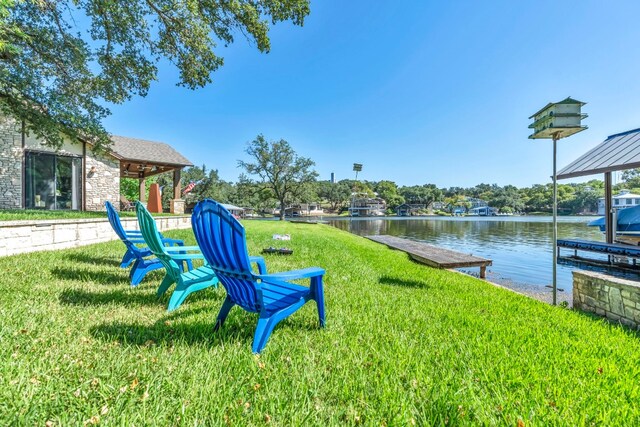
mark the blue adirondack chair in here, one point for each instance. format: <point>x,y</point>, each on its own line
<point>223,243</point>
<point>172,258</point>
<point>141,256</point>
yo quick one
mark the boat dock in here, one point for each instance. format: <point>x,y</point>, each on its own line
<point>618,249</point>
<point>433,256</point>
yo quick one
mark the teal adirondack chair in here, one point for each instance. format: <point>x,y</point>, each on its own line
<point>171,258</point>
<point>223,243</point>
<point>137,251</point>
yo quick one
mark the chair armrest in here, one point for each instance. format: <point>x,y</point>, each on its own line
<point>178,249</point>
<point>172,241</point>
<point>305,273</point>
<point>136,239</point>
<point>262,267</point>
<point>180,257</point>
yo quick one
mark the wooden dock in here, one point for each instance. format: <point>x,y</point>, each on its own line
<point>433,256</point>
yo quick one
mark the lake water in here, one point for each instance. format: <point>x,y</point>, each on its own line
<point>520,246</point>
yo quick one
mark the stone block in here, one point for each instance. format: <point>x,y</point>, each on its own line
<point>62,234</point>
<point>615,302</point>
<point>612,316</point>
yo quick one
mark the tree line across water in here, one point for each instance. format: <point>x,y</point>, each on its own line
<point>276,177</point>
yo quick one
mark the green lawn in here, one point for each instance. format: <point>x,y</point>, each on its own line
<point>404,344</point>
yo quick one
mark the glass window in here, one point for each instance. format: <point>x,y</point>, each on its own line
<point>52,182</point>
<point>629,201</point>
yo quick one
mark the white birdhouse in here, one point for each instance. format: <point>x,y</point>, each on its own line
<point>558,120</point>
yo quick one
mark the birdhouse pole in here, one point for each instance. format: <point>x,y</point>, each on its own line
<point>555,121</point>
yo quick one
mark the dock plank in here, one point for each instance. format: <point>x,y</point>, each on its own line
<point>433,256</point>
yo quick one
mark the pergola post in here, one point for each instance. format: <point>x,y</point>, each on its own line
<point>177,204</point>
<point>608,217</point>
<point>142,190</point>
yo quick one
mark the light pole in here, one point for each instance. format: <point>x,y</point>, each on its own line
<point>555,121</point>
<point>357,167</point>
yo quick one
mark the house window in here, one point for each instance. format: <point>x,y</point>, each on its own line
<point>629,201</point>
<point>52,181</point>
<point>617,201</point>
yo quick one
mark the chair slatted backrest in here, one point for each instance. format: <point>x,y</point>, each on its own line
<point>223,243</point>
<point>114,220</point>
<point>152,237</point>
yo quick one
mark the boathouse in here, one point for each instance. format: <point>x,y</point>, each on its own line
<point>74,177</point>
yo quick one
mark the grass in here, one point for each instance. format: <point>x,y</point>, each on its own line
<point>42,214</point>
<point>404,344</point>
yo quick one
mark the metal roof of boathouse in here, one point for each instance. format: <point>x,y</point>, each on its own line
<point>618,152</point>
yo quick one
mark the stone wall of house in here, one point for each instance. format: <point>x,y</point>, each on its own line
<point>10,163</point>
<point>18,237</point>
<point>103,182</point>
<point>615,298</point>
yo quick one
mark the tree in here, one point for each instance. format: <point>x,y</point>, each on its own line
<point>280,169</point>
<point>388,191</point>
<point>336,194</point>
<point>62,61</point>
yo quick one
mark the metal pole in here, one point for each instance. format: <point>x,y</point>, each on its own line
<point>353,197</point>
<point>555,220</point>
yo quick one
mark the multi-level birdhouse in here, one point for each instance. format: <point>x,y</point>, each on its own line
<point>558,120</point>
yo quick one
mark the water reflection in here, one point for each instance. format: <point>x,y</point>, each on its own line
<point>520,247</point>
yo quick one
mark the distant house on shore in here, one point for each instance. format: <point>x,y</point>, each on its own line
<point>304,209</point>
<point>409,209</point>
<point>368,206</point>
<point>624,199</point>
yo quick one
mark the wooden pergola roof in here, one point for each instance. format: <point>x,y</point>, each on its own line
<point>140,158</point>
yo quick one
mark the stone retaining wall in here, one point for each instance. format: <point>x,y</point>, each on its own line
<point>608,296</point>
<point>18,237</point>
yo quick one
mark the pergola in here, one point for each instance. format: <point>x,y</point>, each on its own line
<point>141,159</point>
<point>618,152</point>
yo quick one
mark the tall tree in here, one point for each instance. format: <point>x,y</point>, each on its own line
<point>62,61</point>
<point>280,169</point>
<point>336,194</point>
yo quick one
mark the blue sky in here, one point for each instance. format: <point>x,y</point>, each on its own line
<point>418,91</point>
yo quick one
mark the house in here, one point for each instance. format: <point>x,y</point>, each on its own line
<point>368,206</point>
<point>409,209</point>
<point>482,211</point>
<point>74,177</point>
<point>304,209</point>
<point>624,199</point>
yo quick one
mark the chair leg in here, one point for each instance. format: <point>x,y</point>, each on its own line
<point>263,332</point>
<point>164,286</point>
<point>224,312</point>
<point>134,273</point>
<point>183,290</point>
<point>127,259</point>
<point>140,269</point>
<point>317,292</point>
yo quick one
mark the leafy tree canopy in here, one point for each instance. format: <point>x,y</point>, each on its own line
<point>279,169</point>
<point>62,61</point>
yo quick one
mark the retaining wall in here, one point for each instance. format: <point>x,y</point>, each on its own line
<point>615,298</point>
<point>18,237</point>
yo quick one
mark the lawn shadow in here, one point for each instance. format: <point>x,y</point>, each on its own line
<point>121,297</point>
<point>93,260</point>
<point>395,281</point>
<point>167,333</point>
<point>88,274</point>
<point>173,328</point>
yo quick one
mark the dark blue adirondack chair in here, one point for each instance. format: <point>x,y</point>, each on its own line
<point>172,259</point>
<point>141,256</point>
<point>223,243</point>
